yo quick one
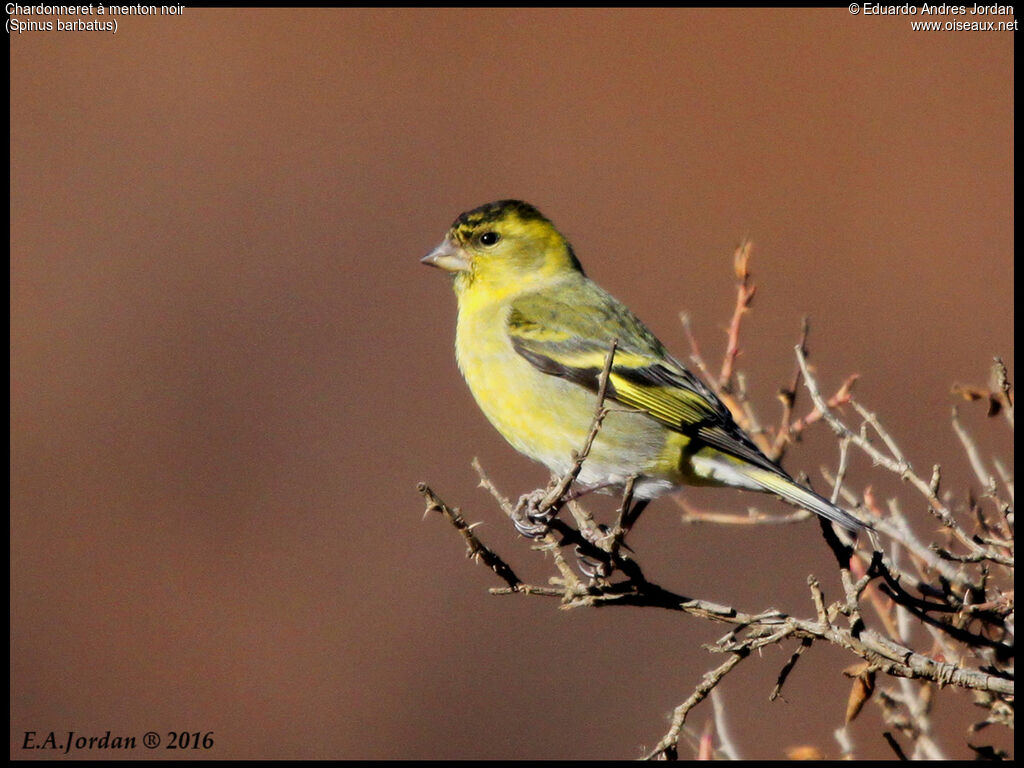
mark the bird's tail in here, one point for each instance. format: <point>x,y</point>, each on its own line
<point>795,493</point>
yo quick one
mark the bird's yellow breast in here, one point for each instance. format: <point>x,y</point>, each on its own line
<point>537,413</point>
<point>546,417</point>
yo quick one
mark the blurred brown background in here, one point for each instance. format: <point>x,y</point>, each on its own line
<point>229,370</point>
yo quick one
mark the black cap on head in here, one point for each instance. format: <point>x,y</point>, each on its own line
<point>498,210</point>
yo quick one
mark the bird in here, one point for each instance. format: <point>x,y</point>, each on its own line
<point>533,337</point>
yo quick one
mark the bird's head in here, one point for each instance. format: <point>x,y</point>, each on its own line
<point>505,245</point>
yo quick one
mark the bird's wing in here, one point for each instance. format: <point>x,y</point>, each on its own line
<point>569,335</point>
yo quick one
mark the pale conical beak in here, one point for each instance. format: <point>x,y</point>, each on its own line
<point>447,256</point>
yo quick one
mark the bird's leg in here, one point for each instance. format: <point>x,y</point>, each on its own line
<point>624,516</point>
<point>582,490</point>
<point>628,513</point>
<point>631,515</point>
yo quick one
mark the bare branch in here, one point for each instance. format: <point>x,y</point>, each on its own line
<point>670,741</point>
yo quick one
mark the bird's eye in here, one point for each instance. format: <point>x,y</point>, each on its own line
<point>489,238</point>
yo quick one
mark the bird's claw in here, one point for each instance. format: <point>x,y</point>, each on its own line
<point>592,567</point>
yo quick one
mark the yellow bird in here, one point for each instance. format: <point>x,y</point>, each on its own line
<point>532,339</point>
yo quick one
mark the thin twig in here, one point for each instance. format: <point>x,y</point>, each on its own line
<point>670,740</point>
<point>744,296</point>
<point>476,549</point>
<point>971,449</point>
<point>695,356</point>
<point>784,434</point>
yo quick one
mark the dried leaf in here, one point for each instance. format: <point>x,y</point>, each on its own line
<point>969,392</point>
<point>805,752</point>
<point>706,745</point>
<point>741,260</point>
<point>861,690</point>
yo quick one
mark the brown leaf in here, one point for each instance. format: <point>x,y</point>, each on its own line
<point>860,692</point>
<point>741,260</point>
<point>969,392</point>
<point>858,669</point>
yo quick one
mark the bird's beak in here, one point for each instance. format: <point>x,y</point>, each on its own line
<point>447,256</point>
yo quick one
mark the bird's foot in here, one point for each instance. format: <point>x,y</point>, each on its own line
<point>592,558</point>
<point>528,518</point>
